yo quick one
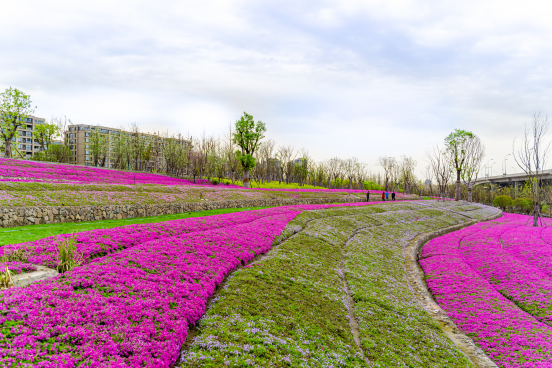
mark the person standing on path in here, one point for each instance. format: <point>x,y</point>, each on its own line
<point>382,196</point>
<point>368,196</point>
<point>393,196</point>
<point>386,196</point>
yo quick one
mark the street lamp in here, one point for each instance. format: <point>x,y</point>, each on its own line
<point>505,159</point>
<point>486,167</point>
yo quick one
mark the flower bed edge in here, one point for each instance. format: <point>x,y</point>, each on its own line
<point>415,276</point>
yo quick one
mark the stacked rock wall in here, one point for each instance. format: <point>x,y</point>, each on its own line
<point>21,216</point>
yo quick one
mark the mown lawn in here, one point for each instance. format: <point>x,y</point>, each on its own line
<point>21,234</point>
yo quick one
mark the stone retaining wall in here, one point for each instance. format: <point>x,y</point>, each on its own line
<point>21,216</point>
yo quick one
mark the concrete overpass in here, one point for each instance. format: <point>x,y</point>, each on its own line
<point>512,179</point>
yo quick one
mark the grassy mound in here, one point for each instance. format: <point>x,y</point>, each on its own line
<point>334,293</point>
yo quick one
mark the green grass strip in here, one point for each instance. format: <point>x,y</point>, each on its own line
<point>21,234</point>
<point>284,311</point>
<point>290,308</point>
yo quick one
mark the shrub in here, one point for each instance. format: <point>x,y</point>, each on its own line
<point>523,204</point>
<point>502,201</point>
<point>68,256</point>
<point>214,181</point>
<point>54,153</point>
<point>5,278</point>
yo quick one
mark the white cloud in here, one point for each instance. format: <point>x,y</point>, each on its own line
<point>342,78</point>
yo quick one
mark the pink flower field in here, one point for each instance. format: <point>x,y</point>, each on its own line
<point>494,281</point>
<point>140,288</point>
<point>11,169</point>
<point>29,183</point>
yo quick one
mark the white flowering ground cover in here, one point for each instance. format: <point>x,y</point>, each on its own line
<point>333,293</point>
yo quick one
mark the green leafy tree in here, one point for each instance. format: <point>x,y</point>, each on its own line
<point>99,147</point>
<point>55,153</point>
<point>120,148</point>
<point>59,153</point>
<point>15,107</point>
<point>44,135</point>
<point>502,201</point>
<point>247,136</point>
<point>457,146</point>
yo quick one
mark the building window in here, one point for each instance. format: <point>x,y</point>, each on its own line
<point>87,134</point>
<point>87,152</point>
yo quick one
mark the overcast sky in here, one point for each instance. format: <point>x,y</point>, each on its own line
<point>340,78</point>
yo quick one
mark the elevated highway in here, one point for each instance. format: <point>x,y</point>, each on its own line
<point>512,179</point>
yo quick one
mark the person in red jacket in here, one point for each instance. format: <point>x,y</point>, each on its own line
<point>382,196</point>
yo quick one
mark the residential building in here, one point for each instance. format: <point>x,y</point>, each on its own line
<point>79,137</point>
<point>300,161</point>
<point>25,145</point>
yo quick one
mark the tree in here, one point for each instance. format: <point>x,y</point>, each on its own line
<point>176,154</point>
<point>440,166</point>
<point>120,145</point>
<point>44,134</point>
<point>456,145</point>
<point>230,156</point>
<point>387,164</point>
<point>428,173</point>
<point>59,153</point>
<point>55,153</point>
<point>99,147</point>
<point>407,166</point>
<point>531,158</point>
<point>395,170</point>
<point>15,106</point>
<point>248,136</point>
<point>61,122</point>
<point>475,151</point>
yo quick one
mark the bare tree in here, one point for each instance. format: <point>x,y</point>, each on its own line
<point>407,166</point>
<point>62,123</point>
<point>531,157</point>
<point>428,173</point>
<point>285,155</point>
<point>441,168</point>
<point>386,163</point>
<point>333,166</point>
<point>395,169</point>
<point>475,151</point>
<point>349,167</point>
<point>232,161</point>
<point>361,174</point>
